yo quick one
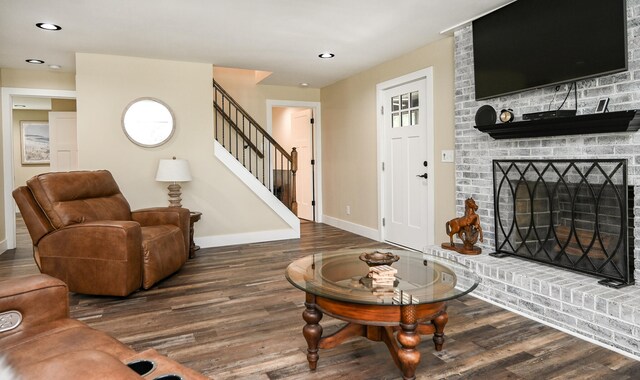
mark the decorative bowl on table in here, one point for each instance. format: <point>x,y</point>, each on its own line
<point>379,258</point>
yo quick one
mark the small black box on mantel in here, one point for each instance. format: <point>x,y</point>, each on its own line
<point>548,114</point>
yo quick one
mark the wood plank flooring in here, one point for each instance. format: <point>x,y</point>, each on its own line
<point>231,314</point>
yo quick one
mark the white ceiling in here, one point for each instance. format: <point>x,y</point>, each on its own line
<point>280,36</point>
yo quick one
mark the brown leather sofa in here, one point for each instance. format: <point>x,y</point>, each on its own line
<point>40,341</point>
<point>84,233</point>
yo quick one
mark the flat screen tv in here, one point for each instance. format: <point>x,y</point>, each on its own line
<point>535,43</point>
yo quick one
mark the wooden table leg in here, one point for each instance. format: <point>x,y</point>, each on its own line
<point>408,356</point>
<point>194,217</point>
<point>439,322</point>
<point>312,331</point>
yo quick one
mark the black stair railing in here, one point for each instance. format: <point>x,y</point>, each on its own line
<point>254,148</point>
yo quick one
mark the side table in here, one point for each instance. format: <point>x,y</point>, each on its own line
<point>194,217</point>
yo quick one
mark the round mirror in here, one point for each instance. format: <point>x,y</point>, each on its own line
<point>148,122</point>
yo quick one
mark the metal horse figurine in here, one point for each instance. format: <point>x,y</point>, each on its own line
<point>467,228</point>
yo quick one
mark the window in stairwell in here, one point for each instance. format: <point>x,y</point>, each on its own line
<point>404,110</point>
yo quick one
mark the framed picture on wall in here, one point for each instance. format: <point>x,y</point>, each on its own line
<point>34,142</point>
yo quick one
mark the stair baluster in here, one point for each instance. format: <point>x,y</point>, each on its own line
<point>261,154</point>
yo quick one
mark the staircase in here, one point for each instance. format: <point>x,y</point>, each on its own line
<point>254,148</point>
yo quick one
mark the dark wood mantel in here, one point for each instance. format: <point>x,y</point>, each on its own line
<point>609,122</point>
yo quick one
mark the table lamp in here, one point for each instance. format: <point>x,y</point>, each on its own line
<point>174,171</point>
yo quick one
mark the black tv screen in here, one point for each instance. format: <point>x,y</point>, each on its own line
<point>534,43</point>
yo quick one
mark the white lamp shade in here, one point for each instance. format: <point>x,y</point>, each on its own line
<point>175,170</point>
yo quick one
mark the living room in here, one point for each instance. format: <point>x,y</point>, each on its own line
<point>104,84</point>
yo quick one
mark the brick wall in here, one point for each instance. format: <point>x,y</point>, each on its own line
<point>475,150</point>
<point>564,299</point>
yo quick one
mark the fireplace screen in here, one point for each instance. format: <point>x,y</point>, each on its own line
<point>574,214</point>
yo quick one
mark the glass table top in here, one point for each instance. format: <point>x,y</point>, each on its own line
<point>343,276</point>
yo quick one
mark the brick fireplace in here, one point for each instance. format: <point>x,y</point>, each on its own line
<point>567,300</point>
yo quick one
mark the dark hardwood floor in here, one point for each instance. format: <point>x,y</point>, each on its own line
<point>231,314</point>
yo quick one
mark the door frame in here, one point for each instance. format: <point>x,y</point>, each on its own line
<point>317,143</point>
<point>304,185</point>
<point>427,75</point>
<point>7,95</point>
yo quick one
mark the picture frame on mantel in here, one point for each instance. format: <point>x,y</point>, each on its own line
<point>34,142</point>
<point>603,104</point>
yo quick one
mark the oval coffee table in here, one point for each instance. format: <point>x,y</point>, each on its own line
<point>336,284</point>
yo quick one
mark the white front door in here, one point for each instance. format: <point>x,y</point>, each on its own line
<point>63,141</point>
<point>407,174</point>
<point>301,137</point>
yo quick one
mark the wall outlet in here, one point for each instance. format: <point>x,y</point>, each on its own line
<point>348,210</point>
<point>447,156</point>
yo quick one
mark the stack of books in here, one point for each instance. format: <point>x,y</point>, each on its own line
<point>382,276</point>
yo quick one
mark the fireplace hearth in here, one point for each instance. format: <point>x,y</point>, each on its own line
<point>574,214</point>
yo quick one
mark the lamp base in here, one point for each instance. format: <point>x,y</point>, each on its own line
<point>174,195</point>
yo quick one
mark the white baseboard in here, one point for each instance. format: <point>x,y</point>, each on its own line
<point>246,238</point>
<point>3,246</point>
<point>357,229</point>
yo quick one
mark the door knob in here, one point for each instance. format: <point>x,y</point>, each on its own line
<point>425,175</point>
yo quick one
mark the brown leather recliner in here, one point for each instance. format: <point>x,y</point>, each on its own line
<point>85,234</point>
<point>39,340</point>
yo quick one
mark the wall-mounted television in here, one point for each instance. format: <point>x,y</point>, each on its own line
<point>535,43</point>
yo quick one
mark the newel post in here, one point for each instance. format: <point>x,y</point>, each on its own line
<point>294,169</point>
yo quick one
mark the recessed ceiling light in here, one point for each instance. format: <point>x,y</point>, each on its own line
<point>55,67</point>
<point>303,84</point>
<point>34,61</point>
<point>326,55</point>
<point>48,26</point>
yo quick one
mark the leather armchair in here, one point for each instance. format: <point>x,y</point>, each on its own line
<point>40,341</point>
<point>85,234</point>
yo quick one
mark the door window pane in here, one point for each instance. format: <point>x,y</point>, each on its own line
<point>395,120</point>
<point>404,103</point>
<point>414,99</point>
<point>414,117</point>
<point>405,118</point>
<point>395,103</point>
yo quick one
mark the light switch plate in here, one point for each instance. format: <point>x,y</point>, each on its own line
<point>447,156</point>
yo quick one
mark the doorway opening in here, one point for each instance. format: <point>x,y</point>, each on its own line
<point>20,105</point>
<point>33,154</point>
<point>297,124</point>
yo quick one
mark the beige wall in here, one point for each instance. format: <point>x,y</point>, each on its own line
<point>281,123</point>
<point>243,87</point>
<point>21,173</point>
<point>63,105</point>
<point>349,137</point>
<point>106,84</point>
<point>41,79</point>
